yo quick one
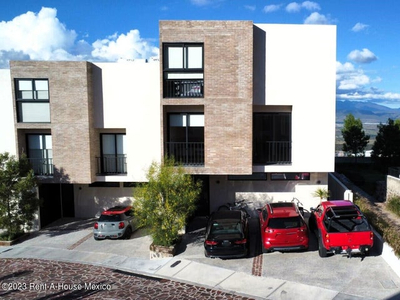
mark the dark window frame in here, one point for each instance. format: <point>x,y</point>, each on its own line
<point>19,100</point>
<point>102,168</point>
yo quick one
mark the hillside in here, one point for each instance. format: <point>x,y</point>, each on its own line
<point>367,112</point>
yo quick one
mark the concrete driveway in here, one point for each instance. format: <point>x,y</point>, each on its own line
<point>335,277</point>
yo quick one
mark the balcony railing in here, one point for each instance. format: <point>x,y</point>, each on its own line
<point>188,154</point>
<point>183,88</point>
<point>42,166</point>
<point>111,164</point>
<point>272,152</point>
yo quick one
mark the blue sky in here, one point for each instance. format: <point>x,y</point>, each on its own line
<point>368,33</point>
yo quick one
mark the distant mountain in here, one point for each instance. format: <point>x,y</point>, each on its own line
<point>366,112</point>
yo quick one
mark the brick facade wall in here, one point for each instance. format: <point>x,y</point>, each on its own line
<point>228,90</point>
<point>71,126</point>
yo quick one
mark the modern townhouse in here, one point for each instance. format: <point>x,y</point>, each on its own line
<point>248,109</point>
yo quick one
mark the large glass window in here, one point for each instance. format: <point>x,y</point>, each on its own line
<point>113,154</point>
<point>40,153</point>
<point>32,96</point>
<point>183,70</point>
<point>186,138</point>
<point>272,138</point>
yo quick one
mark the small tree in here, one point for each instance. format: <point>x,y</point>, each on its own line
<point>386,148</point>
<point>166,201</point>
<point>18,201</point>
<point>354,136</point>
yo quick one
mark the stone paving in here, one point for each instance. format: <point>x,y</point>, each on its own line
<point>46,279</point>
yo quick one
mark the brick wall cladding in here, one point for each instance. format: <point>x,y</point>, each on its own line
<point>228,90</point>
<point>71,111</point>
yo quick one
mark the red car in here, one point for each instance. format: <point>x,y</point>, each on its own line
<point>340,227</point>
<point>283,227</point>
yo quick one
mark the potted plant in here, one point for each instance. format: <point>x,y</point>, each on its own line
<point>323,194</point>
<point>164,203</point>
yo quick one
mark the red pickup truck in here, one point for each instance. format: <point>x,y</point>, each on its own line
<point>340,227</point>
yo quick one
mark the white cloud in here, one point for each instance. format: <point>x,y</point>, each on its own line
<point>309,5</point>
<point>271,8</point>
<point>250,7</point>
<point>41,36</point>
<point>316,18</point>
<point>129,46</point>
<point>362,57</point>
<point>296,7</point>
<point>359,27</point>
<point>293,7</point>
<point>350,79</point>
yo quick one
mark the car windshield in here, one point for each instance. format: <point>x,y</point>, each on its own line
<point>283,223</point>
<point>110,218</point>
<point>220,228</point>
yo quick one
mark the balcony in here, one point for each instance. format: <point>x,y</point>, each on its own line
<point>273,152</point>
<point>186,153</point>
<point>111,164</point>
<point>42,166</point>
<point>183,88</point>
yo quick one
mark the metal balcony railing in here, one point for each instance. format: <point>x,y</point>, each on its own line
<point>188,154</point>
<point>111,164</point>
<point>183,88</point>
<point>273,152</point>
<point>42,166</point>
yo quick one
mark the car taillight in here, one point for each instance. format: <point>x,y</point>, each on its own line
<point>327,238</point>
<point>371,234</point>
<point>268,230</point>
<point>96,225</point>
<point>240,242</point>
<point>121,225</point>
<point>211,243</point>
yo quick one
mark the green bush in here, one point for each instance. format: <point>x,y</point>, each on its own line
<point>389,233</point>
<point>393,204</point>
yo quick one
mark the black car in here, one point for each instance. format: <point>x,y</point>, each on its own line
<point>227,235</point>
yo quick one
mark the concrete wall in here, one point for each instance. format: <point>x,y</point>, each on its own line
<point>7,140</point>
<point>228,90</point>
<point>298,66</point>
<point>91,201</point>
<point>260,192</point>
<point>392,187</point>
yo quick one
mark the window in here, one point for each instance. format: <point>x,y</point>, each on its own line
<point>290,176</point>
<point>186,138</point>
<point>40,153</point>
<point>183,70</point>
<point>113,154</point>
<point>32,97</point>
<point>272,138</point>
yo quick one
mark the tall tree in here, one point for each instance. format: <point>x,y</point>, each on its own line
<point>386,149</point>
<point>18,201</point>
<point>355,139</point>
<point>165,202</point>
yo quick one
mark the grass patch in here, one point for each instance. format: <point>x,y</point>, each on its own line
<point>393,204</point>
<point>389,233</point>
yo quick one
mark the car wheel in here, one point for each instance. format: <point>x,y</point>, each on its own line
<point>321,249</point>
<point>128,233</point>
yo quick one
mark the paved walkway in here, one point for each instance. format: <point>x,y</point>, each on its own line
<point>65,262</point>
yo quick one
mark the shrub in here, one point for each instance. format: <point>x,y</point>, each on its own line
<point>164,204</point>
<point>389,233</point>
<point>393,204</point>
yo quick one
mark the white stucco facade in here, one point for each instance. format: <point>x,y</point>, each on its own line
<point>300,72</point>
<point>131,101</point>
<point>7,140</point>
